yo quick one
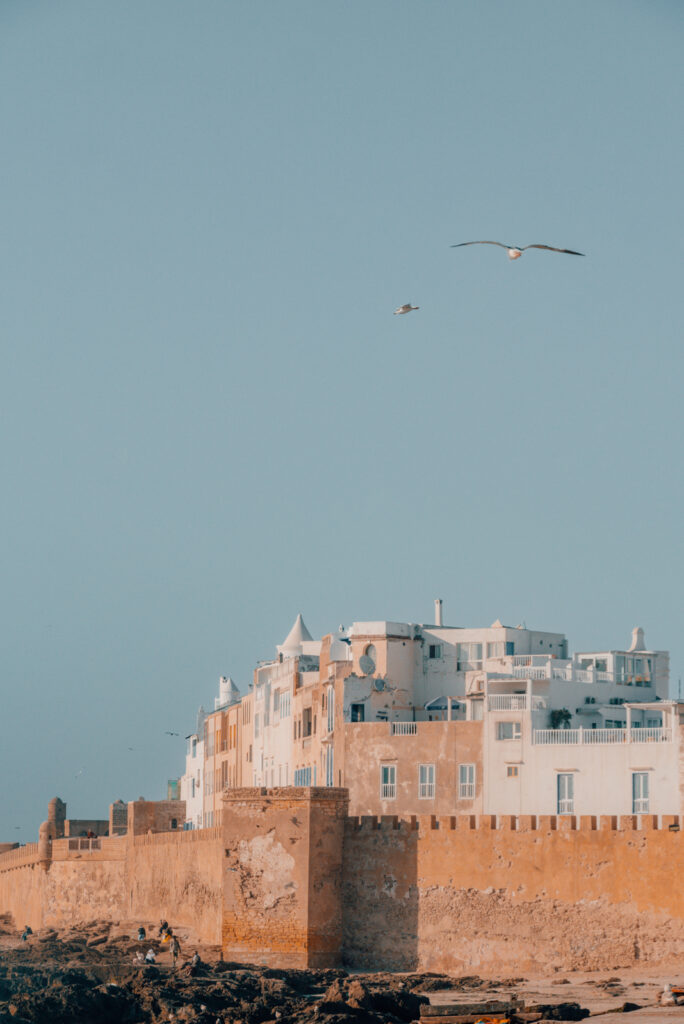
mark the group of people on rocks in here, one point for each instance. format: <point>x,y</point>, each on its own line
<point>165,936</point>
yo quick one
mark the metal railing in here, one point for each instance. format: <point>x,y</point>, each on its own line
<point>466,790</point>
<point>403,728</point>
<point>388,791</point>
<point>426,790</point>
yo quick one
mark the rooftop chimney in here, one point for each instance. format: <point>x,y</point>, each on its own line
<point>638,643</point>
<point>438,611</point>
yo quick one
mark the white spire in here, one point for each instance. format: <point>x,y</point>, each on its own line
<point>292,644</point>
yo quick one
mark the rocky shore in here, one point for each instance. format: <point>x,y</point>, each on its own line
<point>94,974</point>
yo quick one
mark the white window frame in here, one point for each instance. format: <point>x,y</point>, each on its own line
<point>640,793</point>
<point>426,781</point>
<point>565,793</point>
<point>331,708</point>
<point>516,730</point>
<point>388,781</point>
<point>466,781</point>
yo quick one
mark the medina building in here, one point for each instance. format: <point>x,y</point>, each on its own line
<point>448,720</point>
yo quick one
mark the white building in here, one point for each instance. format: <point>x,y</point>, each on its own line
<point>191,783</point>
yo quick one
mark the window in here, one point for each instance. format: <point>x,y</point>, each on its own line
<point>653,723</point>
<point>512,771</point>
<point>302,776</point>
<point>426,781</point>
<point>565,793</point>
<point>276,705</point>
<point>257,726</point>
<point>466,781</point>
<point>508,730</point>
<point>329,776</point>
<point>388,781</point>
<point>307,722</point>
<point>435,651</point>
<point>358,713</point>
<point>640,793</point>
<point>468,656</point>
<point>194,747</point>
<point>331,709</point>
<point>500,648</point>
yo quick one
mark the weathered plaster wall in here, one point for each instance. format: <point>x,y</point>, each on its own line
<point>460,898</point>
<point>282,875</point>
<point>446,745</point>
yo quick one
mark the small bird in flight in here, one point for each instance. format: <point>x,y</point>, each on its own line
<point>406,308</point>
<point>515,251</point>
<point>167,733</point>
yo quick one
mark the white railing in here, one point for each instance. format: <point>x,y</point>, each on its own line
<point>403,728</point>
<point>527,660</point>
<point>466,790</point>
<point>581,737</point>
<point>513,702</point>
<point>426,790</point>
<point>532,672</point>
<point>388,791</point>
<point>507,702</point>
<point>566,805</point>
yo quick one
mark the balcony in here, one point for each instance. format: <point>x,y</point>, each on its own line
<point>514,702</point>
<point>588,737</point>
<point>403,728</point>
<point>388,791</point>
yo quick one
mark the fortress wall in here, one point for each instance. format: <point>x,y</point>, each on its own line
<point>477,894</point>
<point>22,887</point>
<point>177,876</point>
<point>83,889</point>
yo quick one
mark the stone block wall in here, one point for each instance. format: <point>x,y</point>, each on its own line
<point>480,894</point>
<point>290,880</point>
<point>282,875</point>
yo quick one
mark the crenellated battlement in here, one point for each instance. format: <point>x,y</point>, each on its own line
<point>543,823</point>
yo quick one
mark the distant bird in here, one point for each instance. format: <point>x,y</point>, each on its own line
<point>406,308</point>
<point>516,251</point>
<point>167,733</point>
<point>79,772</point>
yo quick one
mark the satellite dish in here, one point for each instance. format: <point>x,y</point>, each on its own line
<point>366,664</point>
<point>378,684</point>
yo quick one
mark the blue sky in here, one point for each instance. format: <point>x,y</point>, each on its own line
<point>211,419</point>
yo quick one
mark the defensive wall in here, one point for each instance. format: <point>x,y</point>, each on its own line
<point>290,879</point>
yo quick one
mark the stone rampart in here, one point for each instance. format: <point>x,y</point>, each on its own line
<point>289,879</point>
<point>480,894</point>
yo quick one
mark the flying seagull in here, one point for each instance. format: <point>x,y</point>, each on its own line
<point>406,308</point>
<point>515,251</point>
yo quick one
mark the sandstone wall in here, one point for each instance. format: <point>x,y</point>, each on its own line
<point>282,876</point>
<point>176,876</point>
<point>288,879</point>
<point>461,894</point>
<point>22,880</point>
